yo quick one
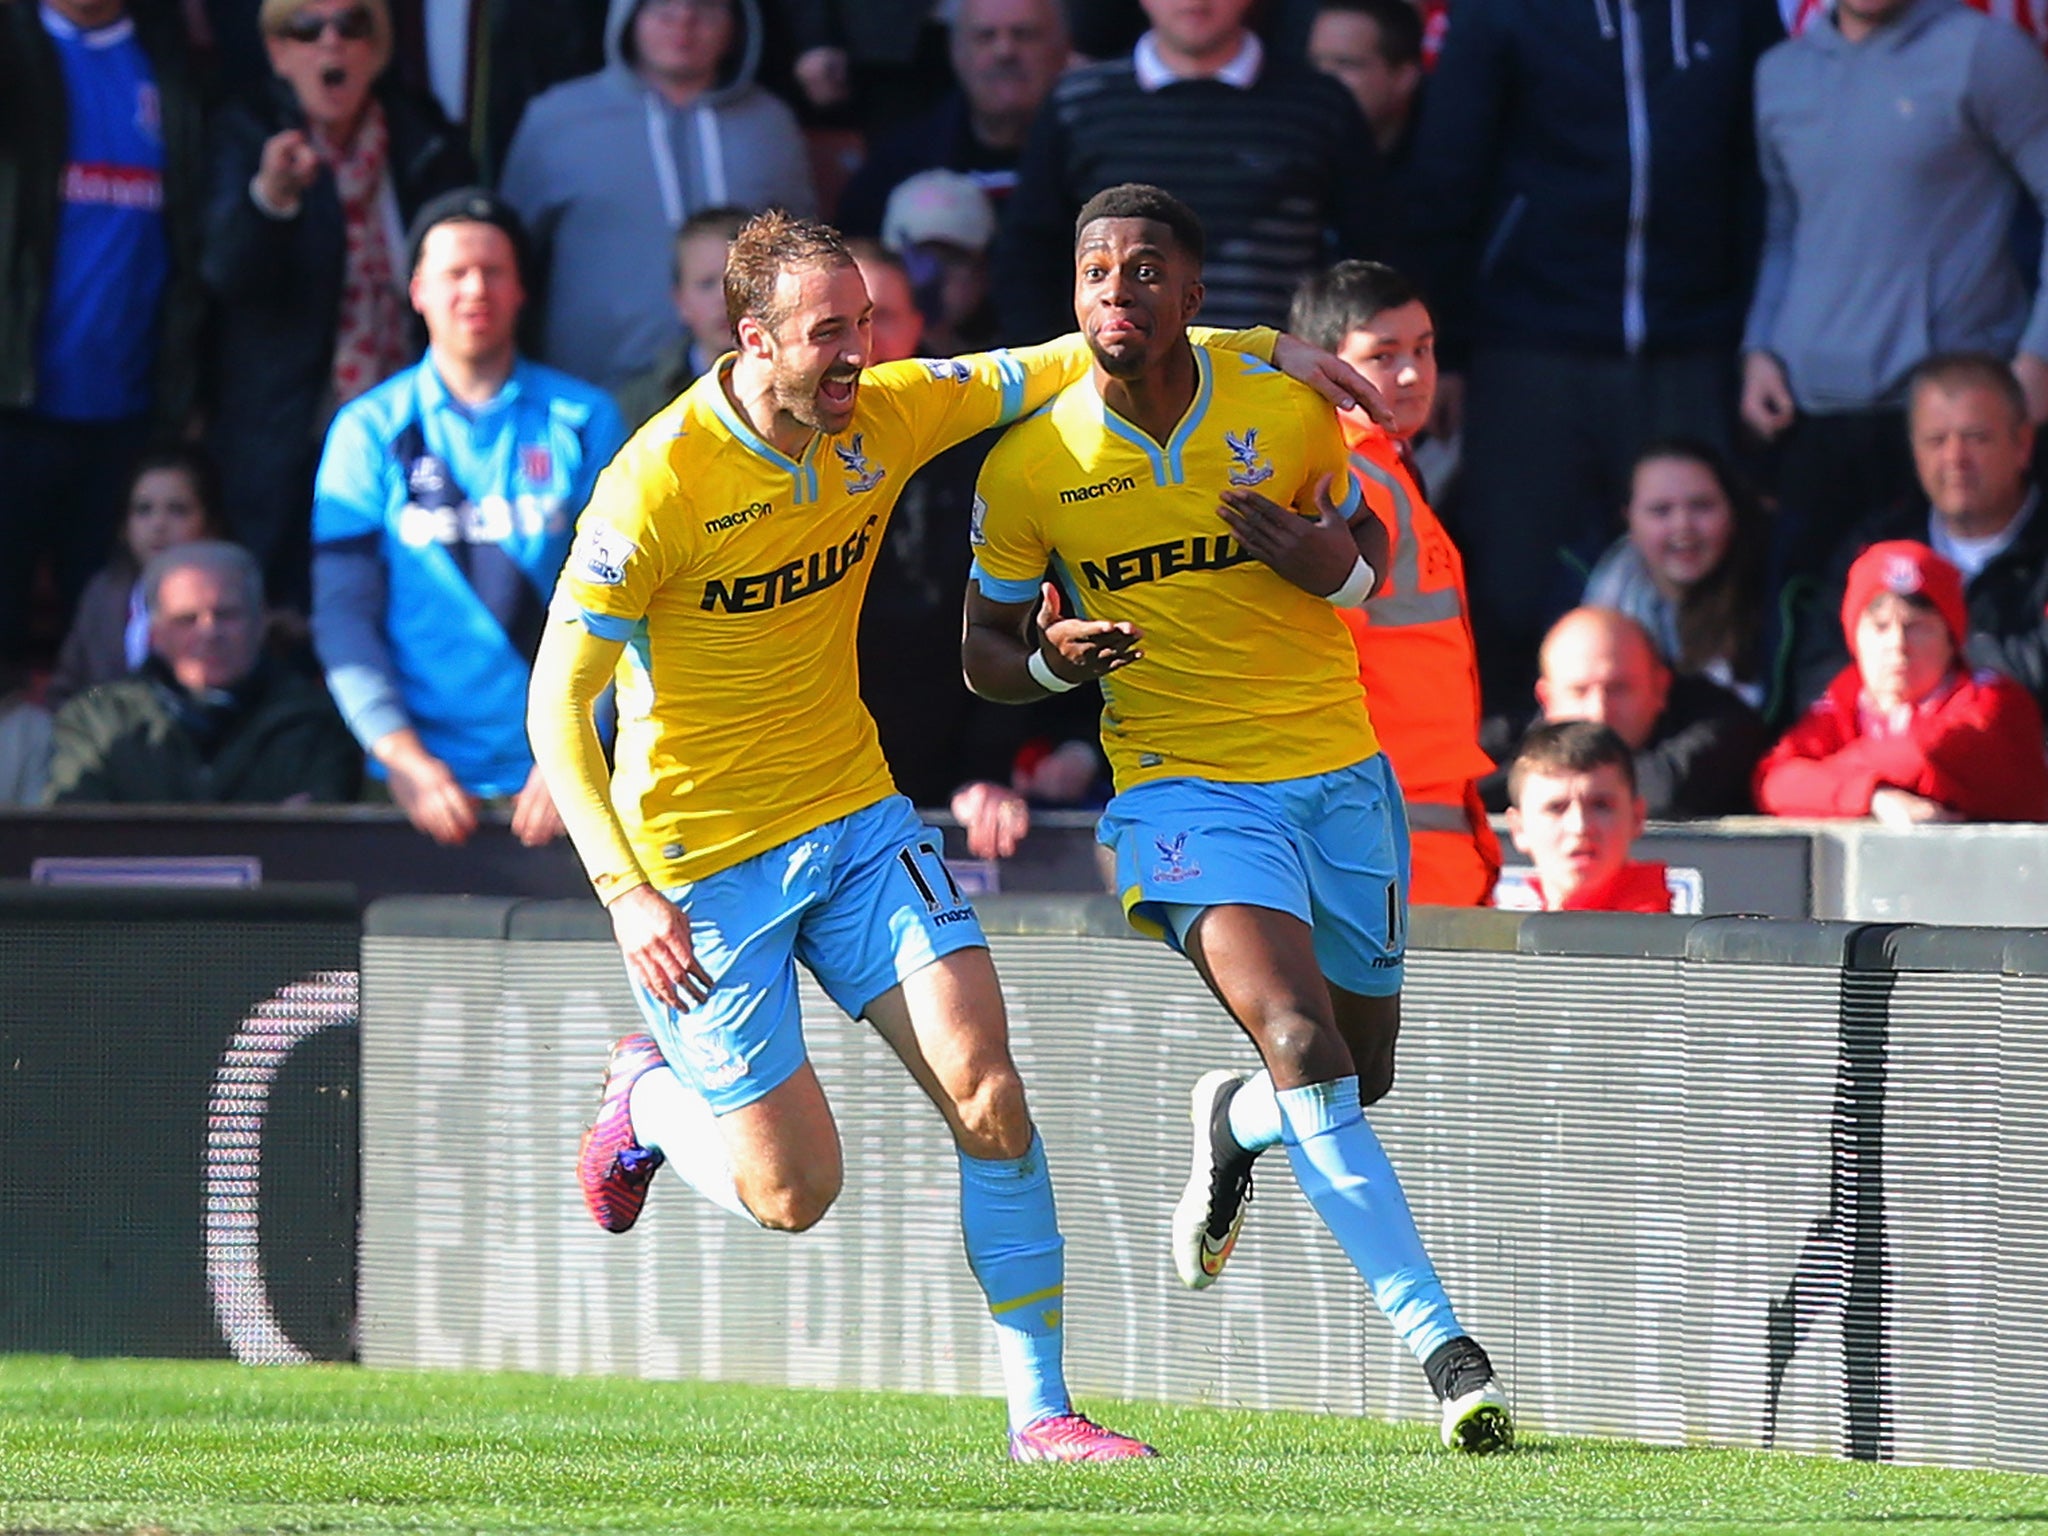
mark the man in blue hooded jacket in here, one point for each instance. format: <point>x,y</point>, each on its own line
<point>1584,204</point>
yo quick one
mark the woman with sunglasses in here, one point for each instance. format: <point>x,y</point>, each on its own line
<point>313,184</point>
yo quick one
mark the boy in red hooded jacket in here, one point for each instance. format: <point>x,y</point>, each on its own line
<point>1909,734</point>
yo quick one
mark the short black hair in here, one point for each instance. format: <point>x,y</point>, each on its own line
<point>471,205</point>
<point>1569,746</point>
<point>1139,200</point>
<point>1331,304</point>
<point>1399,21</point>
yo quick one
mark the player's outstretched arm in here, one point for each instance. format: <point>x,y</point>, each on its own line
<point>1019,653</point>
<point>569,673</point>
<point>961,396</point>
<point>1329,376</point>
<point>1325,555</point>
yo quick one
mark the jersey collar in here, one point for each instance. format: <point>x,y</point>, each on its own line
<point>99,37</point>
<point>1241,69</point>
<point>803,474</point>
<point>434,396</point>
<point>1167,468</point>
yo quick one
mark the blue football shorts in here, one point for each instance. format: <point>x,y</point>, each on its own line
<point>863,902</point>
<point>1330,849</point>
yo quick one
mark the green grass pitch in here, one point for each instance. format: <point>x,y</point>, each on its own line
<point>156,1446</point>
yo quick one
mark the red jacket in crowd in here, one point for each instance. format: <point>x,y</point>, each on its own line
<point>1635,887</point>
<point>1974,745</point>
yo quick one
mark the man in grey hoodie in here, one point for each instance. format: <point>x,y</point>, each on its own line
<point>605,169</point>
<point>1897,139</point>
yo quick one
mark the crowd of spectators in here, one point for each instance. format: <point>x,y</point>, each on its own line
<point>1698,316</point>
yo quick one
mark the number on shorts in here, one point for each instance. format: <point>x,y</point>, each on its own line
<point>908,859</point>
<point>1395,938</point>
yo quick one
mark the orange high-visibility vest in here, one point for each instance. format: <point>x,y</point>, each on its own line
<point>1420,672</point>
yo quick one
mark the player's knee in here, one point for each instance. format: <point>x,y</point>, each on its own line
<point>794,1204</point>
<point>993,1119</point>
<point>1301,1046</point>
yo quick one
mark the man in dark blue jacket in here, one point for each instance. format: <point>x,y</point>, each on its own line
<point>1584,203</point>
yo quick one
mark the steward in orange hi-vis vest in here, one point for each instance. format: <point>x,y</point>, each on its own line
<point>1421,678</point>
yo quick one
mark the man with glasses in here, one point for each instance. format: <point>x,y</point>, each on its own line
<point>313,181</point>
<point>207,718</point>
<point>101,155</point>
<point>605,170</point>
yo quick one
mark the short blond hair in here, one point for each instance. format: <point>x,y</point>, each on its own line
<point>270,20</point>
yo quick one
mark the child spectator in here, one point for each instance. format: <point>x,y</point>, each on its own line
<point>172,499</point>
<point>1414,636</point>
<point>706,336</point>
<point>1690,567</point>
<point>1908,734</point>
<point>1574,811</point>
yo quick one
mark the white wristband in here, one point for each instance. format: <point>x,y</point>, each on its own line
<point>1042,673</point>
<point>1356,586</point>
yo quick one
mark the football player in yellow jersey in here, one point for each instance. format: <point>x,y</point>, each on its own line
<point>1199,521</point>
<point>751,822</point>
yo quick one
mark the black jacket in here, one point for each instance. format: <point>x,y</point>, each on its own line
<point>1697,763</point>
<point>2008,604</point>
<point>1282,176</point>
<point>144,740</point>
<point>943,137</point>
<point>34,147</point>
<point>1532,181</point>
<point>277,284</point>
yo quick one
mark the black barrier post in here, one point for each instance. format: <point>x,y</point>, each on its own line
<point>1843,1261</point>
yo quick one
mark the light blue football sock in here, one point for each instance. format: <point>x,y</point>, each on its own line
<point>1348,1179</point>
<point>1014,1247</point>
<point>1254,1113</point>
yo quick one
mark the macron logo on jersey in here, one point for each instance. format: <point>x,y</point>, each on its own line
<point>746,514</point>
<point>1156,562</point>
<point>804,577</point>
<point>1109,487</point>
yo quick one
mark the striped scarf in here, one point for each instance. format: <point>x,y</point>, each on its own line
<point>369,344</point>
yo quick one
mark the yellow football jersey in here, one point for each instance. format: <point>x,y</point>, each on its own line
<point>1245,677</point>
<point>735,576</point>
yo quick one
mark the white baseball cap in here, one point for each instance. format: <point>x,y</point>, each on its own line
<point>938,205</point>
